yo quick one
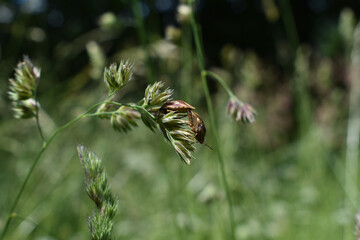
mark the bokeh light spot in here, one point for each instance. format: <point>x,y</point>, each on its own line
<point>33,6</point>
<point>144,10</point>
<point>55,18</point>
<point>318,5</point>
<point>6,15</point>
<point>164,5</point>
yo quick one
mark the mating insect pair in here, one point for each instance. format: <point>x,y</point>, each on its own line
<point>195,122</point>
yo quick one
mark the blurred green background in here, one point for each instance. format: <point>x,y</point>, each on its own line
<point>292,174</point>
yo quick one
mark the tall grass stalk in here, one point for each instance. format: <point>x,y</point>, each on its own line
<point>37,119</point>
<point>353,130</point>
<point>184,202</point>
<point>140,27</point>
<point>300,87</point>
<point>185,86</point>
<point>289,23</point>
<point>301,69</point>
<point>213,126</point>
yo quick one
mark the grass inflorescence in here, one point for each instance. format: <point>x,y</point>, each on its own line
<point>98,189</point>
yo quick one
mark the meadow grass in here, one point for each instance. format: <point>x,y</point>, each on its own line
<point>250,187</point>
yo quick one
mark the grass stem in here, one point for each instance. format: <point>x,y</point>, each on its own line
<point>46,143</point>
<point>201,62</point>
<point>37,117</point>
<point>353,129</point>
<point>290,25</point>
<point>136,6</point>
<point>222,83</point>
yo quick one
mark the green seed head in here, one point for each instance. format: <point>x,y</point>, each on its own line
<point>124,119</point>
<point>23,86</point>
<point>155,97</point>
<point>116,76</point>
<point>25,108</point>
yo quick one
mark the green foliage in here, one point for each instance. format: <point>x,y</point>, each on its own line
<point>283,185</point>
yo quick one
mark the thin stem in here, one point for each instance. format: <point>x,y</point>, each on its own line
<point>289,22</point>
<point>143,38</point>
<point>222,83</point>
<point>38,125</point>
<point>185,83</point>
<point>44,147</point>
<point>201,63</point>
<point>353,128</point>
<point>135,107</point>
<point>37,117</point>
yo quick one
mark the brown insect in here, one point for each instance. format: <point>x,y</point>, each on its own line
<point>176,106</point>
<point>197,126</point>
<point>195,122</point>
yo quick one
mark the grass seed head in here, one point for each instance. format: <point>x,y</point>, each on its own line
<point>27,76</point>
<point>240,111</point>
<point>183,13</point>
<point>25,109</point>
<point>116,76</point>
<point>173,34</point>
<point>96,185</point>
<point>22,89</point>
<point>175,128</point>
<point>124,119</point>
<point>155,97</point>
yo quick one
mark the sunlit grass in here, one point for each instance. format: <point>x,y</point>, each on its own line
<point>285,173</point>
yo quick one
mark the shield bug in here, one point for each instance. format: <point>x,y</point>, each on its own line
<point>197,126</point>
<point>176,106</point>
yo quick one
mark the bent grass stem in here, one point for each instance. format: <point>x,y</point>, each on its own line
<point>213,125</point>
<point>46,143</point>
<point>222,83</point>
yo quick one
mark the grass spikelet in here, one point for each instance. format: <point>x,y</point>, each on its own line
<point>116,76</point>
<point>155,97</point>
<point>22,89</point>
<point>25,108</point>
<point>96,185</point>
<point>124,119</point>
<point>240,111</point>
<point>175,130</point>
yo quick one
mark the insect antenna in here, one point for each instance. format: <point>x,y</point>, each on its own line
<point>208,146</point>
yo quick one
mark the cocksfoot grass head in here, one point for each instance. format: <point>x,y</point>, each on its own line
<point>124,119</point>
<point>174,127</point>
<point>156,110</point>
<point>96,185</point>
<point>173,34</point>
<point>23,86</point>
<point>116,76</point>
<point>25,108</point>
<point>240,111</point>
<point>173,124</point>
<point>22,89</point>
<point>183,13</point>
<point>155,97</point>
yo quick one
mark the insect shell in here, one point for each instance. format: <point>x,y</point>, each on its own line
<point>176,106</point>
<point>197,126</point>
<point>195,122</point>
